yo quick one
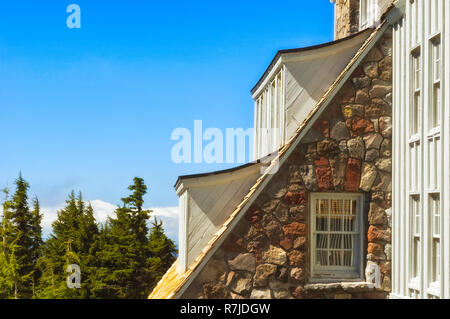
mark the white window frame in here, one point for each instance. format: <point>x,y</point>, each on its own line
<point>338,273</point>
<point>368,13</point>
<point>270,116</point>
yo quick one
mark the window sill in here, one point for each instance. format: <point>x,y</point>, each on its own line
<point>350,286</point>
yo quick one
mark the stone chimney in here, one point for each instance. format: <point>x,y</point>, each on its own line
<point>346,18</point>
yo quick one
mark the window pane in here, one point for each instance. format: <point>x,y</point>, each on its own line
<point>336,233</point>
<point>416,236</point>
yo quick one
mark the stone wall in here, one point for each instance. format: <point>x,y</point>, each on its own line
<point>347,150</point>
<point>346,18</point>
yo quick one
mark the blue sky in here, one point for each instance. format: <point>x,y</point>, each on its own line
<point>88,109</point>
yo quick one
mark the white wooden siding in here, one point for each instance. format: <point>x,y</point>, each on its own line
<point>305,77</point>
<point>420,158</point>
<point>205,204</point>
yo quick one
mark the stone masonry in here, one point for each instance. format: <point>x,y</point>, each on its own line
<point>347,150</point>
<point>346,18</point>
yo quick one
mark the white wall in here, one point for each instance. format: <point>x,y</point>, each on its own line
<point>420,161</point>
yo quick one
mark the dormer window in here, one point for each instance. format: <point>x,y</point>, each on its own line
<point>368,10</point>
<point>270,114</point>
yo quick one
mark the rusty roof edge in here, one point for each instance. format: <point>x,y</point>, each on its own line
<point>284,152</point>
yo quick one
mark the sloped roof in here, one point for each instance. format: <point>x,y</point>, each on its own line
<point>172,285</point>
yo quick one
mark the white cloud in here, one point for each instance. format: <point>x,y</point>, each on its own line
<point>102,210</point>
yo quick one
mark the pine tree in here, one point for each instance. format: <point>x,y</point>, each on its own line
<point>124,248</point>
<point>162,250</point>
<point>36,236</point>
<point>24,229</point>
<point>8,264</point>
<point>74,233</point>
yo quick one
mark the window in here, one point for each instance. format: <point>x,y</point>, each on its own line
<point>270,116</point>
<point>416,98</point>
<point>368,13</point>
<point>435,241</point>
<point>416,238</point>
<point>336,236</point>
<point>435,69</point>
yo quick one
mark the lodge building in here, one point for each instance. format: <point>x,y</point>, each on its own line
<point>350,195</point>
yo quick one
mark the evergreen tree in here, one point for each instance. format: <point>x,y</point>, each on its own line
<point>9,267</point>
<point>124,248</point>
<point>25,233</point>
<point>162,250</point>
<point>74,233</point>
<point>36,236</point>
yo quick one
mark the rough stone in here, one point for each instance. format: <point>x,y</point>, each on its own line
<point>386,126</point>
<point>389,216</point>
<point>309,177</point>
<point>297,274</point>
<point>282,294</point>
<point>262,274</point>
<point>273,231</point>
<point>386,64</point>
<point>294,187</point>
<point>323,126</point>
<point>359,126</point>
<point>215,269</point>
<point>234,244</point>
<point>215,291</point>
<point>339,131</point>
<point>361,82</point>
<point>294,229</point>
<point>352,175</point>
<point>243,262</point>
<point>294,176</point>
<point>242,284</point>
<point>371,69</point>
<point>386,75</point>
<point>362,97</point>
<point>377,215</point>
<point>372,155</point>
<point>257,243</point>
<point>260,294</point>
<point>296,198</point>
<point>296,258</point>
<point>235,296</point>
<point>351,110</point>
<point>383,183</point>
<point>327,147</point>
<point>254,214</point>
<point>323,174</point>
<point>299,293</point>
<point>282,213</point>
<point>377,108</point>
<point>338,165</point>
<point>343,146</point>
<point>286,243</point>
<point>347,93</point>
<point>299,242</point>
<point>386,148</point>
<point>379,91</point>
<point>298,213</point>
<point>388,251</point>
<point>384,164</point>
<point>282,274</point>
<point>356,148</point>
<point>373,140</point>
<point>376,234</point>
<point>368,177</point>
<point>275,255</point>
